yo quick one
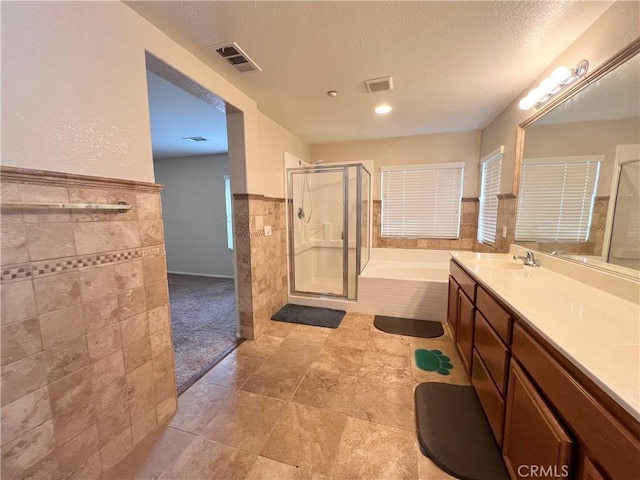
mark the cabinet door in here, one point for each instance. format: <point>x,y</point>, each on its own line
<point>452,308</point>
<point>466,313</point>
<point>535,444</point>
<point>590,471</point>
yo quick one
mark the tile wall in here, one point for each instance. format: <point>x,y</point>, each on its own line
<point>261,260</point>
<point>87,360</point>
<point>468,231</point>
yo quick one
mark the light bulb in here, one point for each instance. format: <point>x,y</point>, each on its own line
<point>526,103</point>
<point>382,109</point>
<point>561,74</point>
<point>535,94</point>
<point>548,85</point>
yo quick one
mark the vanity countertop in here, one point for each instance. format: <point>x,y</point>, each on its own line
<point>597,331</point>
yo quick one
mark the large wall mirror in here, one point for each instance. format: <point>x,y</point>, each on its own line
<point>579,171</point>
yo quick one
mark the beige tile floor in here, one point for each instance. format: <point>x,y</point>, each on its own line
<point>303,403</point>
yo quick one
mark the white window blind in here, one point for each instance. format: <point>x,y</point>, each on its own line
<point>229,211</point>
<point>422,200</point>
<point>556,198</point>
<point>489,189</point>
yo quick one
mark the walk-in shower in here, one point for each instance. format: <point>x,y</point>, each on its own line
<point>329,222</point>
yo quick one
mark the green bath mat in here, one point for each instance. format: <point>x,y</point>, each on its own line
<point>433,361</point>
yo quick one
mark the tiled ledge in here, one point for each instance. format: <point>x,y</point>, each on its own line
<point>44,177</point>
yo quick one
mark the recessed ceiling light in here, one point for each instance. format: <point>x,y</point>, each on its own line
<point>383,109</point>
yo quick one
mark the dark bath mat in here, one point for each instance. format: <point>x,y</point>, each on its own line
<point>316,316</point>
<point>455,434</point>
<point>408,326</point>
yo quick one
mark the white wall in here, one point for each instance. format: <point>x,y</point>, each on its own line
<point>193,211</point>
<point>584,138</point>
<point>449,147</point>
<point>614,30</point>
<point>74,95</point>
<point>274,141</point>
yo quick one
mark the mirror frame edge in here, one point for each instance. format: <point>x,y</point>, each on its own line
<point>615,61</point>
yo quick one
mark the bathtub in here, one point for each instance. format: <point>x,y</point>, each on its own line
<point>396,282</point>
<point>405,283</point>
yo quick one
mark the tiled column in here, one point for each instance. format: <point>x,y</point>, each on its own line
<point>261,260</point>
<point>87,359</point>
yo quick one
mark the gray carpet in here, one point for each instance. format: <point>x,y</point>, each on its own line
<point>203,319</point>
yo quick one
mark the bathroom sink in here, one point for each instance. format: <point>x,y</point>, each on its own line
<point>495,263</point>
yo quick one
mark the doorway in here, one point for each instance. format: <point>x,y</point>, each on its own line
<point>191,160</point>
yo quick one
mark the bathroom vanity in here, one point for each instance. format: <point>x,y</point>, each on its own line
<point>554,363</point>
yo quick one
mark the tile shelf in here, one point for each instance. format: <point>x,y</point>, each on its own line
<point>75,206</point>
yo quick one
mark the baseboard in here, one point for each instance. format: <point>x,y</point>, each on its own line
<point>201,274</point>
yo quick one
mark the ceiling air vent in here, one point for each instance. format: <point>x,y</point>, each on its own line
<point>379,84</point>
<point>233,54</point>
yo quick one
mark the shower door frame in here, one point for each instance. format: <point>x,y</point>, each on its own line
<point>622,156</point>
<point>345,226</point>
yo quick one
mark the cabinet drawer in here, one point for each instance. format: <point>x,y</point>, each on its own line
<point>494,353</point>
<point>490,399</point>
<point>596,428</point>
<point>466,283</point>
<point>493,312</point>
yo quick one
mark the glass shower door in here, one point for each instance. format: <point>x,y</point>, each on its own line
<point>624,248</point>
<point>318,231</point>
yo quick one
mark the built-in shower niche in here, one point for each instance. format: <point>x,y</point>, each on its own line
<point>329,228</point>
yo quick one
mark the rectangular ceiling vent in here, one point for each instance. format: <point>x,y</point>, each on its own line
<point>233,54</point>
<point>379,84</point>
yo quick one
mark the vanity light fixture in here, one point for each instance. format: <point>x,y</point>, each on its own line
<point>559,79</point>
<point>383,109</point>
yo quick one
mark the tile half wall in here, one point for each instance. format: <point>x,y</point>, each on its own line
<point>87,359</point>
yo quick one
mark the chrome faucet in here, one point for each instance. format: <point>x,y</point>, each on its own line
<point>529,259</point>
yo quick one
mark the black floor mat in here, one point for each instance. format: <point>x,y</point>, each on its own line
<point>455,434</point>
<point>408,326</point>
<point>316,316</point>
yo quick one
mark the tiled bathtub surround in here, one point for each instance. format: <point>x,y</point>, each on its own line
<point>507,208</point>
<point>261,260</point>
<point>468,231</point>
<point>87,363</point>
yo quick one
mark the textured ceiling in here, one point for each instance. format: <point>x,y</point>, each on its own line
<point>455,65</point>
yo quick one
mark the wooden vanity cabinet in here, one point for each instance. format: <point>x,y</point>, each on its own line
<point>533,437</point>
<point>452,307</point>
<point>462,308</point>
<point>464,340</point>
<point>590,471</point>
<point>542,409</point>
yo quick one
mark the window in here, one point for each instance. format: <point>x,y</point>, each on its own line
<point>556,198</point>
<point>422,200</point>
<point>489,189</point>
<point>229,211</point>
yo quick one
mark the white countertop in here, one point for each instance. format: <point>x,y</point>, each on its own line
<point>597,331</point>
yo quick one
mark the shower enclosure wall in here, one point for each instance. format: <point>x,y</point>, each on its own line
<point>329,209</point>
